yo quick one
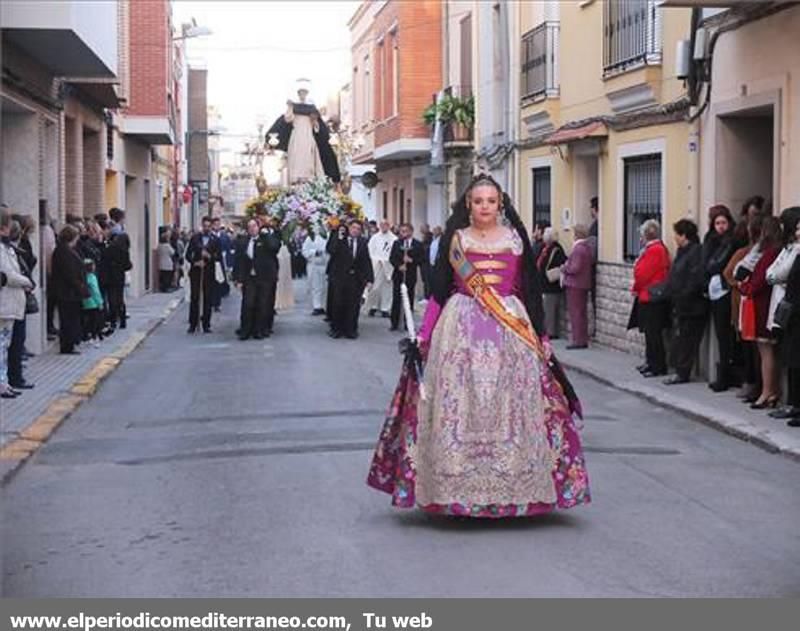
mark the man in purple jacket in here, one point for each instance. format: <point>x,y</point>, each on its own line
<point>577,280</point>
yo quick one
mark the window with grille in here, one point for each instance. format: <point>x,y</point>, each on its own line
<point>642,198</point>
<point>541,195</point>
<point>631,34</point>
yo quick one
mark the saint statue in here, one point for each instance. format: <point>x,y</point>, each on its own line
<point>305,138</point>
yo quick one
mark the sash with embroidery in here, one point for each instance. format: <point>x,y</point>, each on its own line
<point>490,300</point>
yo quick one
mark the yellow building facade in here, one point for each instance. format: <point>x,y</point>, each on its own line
<point>603,115</point>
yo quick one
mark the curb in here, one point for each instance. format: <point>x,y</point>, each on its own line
<point>743,430</point>
<point>15,453</point>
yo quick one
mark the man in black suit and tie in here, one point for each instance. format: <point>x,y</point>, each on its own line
<point>255,270</point>
<point>202,254</point>
<point>350,273</point>
<point>407,256</point>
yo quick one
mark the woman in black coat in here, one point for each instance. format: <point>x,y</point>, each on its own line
<point>718,247</point>
<point>686,288</point>
<point>117,261</point>
<point>69,287</point>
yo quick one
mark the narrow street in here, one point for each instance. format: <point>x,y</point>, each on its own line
<point>205,466</point>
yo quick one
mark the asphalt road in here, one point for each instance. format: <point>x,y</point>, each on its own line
<point>205,466</point>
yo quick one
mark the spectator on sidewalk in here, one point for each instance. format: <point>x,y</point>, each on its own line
<point>685,288</point>
<point>790,344</point>
<point>650,273</point>
<point>778,272</point>
<point>117,263</point>
<point>27,262</point>
<point>69,282</point>
<point>551,258</point>
<point>92,306</point>
<point>758,292</point>
<point>47,238</point>
<point>12,299</point>
<point>577,281</point>
<point>739,266</point>
<point>537,238</point>
<point>719,245</point>
<point>166,262</point>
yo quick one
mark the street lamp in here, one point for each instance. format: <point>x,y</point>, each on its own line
<point>192,30</point>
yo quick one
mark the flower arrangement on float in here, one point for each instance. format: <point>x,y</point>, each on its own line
<point>311,206</point>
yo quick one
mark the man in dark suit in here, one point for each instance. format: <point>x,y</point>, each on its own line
<point>255,271</point>
<point>407,256</point>
<point>202,254</point>
<point>350,273</point>
<point>267,228</point>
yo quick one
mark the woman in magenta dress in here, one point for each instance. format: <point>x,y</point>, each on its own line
<point>488,429</point>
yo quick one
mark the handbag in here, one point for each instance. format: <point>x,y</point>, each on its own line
<point>783,313</point>
<point>747,319</point>
<point>553,275</point>
<point>659,293</point>
<point>31,303</point>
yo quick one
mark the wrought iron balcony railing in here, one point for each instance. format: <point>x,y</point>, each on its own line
<point>540,61</point>
<point>631,35</point>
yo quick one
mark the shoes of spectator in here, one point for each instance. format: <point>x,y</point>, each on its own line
<point>246,337</point>
<point>574,347</point>
<point>206,329</point>
<point>9,394</point>
<point>21,385</point>
<point>191,329</point>
<point>318,312</point>
<point>371,313</point>
<point>386,314</point>
<point>786,412</point>
<point>352,336</point>
<point>641,368</point>
<point>647,374</point>
<point>794,422</point>
<point>675,380</point>
<point>52,336</point>
<point>334,334</point>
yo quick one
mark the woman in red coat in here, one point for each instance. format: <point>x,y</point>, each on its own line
<point>756,289</point>
<point>650,270</point>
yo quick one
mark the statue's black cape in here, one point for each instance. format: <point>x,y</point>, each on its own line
<point>326,154</point>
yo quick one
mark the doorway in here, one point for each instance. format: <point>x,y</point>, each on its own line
<point>745,156</point>
<point>587,166</point>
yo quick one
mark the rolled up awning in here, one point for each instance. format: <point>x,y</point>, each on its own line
<point>565,135</point>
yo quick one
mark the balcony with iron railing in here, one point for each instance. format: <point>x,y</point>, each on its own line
<point>540,62</point>
<point>631,35</point>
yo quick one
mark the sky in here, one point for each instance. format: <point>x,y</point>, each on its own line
<point>259,48</point>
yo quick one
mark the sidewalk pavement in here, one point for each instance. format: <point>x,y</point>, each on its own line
<point>720,410</point>
<point>63,382</point>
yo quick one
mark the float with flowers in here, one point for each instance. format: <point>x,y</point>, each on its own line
<point>315,206</point>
